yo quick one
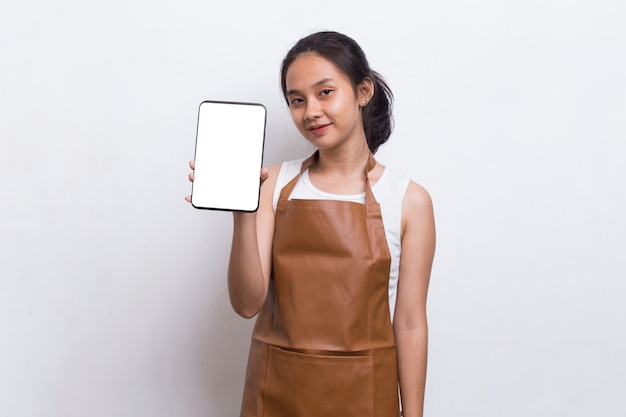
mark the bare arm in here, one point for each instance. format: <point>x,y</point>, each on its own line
<point>250,262</point>
<point>410,324</point>
<point>251,252</point>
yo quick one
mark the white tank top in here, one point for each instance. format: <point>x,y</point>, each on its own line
<point>389,191</point>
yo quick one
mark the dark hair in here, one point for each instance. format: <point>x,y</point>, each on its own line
<point>350,59</point>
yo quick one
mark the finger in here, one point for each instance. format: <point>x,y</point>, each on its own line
<point>192,164</point>
<point>264,174</point>
<point>188,199</point>
<point>191,177</point>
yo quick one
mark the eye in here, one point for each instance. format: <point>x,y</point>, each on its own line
<point>326,92</point>
<point>295,101</point>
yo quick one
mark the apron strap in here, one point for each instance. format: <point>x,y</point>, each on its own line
<point>287,189</point>
<point>371,205</point>
<point>369,195</point>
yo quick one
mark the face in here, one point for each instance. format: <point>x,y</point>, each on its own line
<point>324,106</point>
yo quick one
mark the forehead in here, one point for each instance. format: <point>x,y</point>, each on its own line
<point>310,68</point>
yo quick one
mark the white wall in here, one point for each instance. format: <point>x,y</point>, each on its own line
<point>112,289</point>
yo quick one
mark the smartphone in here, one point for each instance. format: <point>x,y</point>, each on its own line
<point>228,156</point>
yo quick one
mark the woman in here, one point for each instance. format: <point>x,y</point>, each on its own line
<point>336,261</point>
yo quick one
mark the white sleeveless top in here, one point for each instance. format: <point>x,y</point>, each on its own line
<point>389,191</point>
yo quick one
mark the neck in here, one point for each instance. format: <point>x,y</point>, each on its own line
<point>344,161</point>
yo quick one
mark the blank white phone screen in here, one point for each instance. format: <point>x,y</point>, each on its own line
<point>229,156</point>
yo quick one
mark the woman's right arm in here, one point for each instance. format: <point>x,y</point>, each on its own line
<point>251,252</point>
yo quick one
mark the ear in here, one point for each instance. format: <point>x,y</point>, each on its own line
<point>365,91</point>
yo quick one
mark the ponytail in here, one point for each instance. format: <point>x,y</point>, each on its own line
<point>377,114</point>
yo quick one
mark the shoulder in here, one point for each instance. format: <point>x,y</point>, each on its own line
<point>390,183</point>
<point>417,209</point>
<point>416,197</point>
<point>399,183</point>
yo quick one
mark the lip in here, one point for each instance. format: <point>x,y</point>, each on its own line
<point>318,129</point>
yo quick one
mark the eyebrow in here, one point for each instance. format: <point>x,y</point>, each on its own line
<point>317,84</point>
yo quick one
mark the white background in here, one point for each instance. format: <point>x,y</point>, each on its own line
<point>112,288</point>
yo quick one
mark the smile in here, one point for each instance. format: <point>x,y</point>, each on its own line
<point>318,129</point>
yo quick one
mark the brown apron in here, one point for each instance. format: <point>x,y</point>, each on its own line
<point>323,344</point>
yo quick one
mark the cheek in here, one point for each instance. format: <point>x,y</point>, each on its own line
<point>343,105</point>
<point>294,114</point>
<point>297,116</point>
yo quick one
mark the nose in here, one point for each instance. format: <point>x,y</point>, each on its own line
<point>313,110</point>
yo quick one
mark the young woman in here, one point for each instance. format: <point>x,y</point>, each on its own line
<point>336,261</point>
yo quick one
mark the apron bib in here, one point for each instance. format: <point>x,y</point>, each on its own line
<point>323,343</point>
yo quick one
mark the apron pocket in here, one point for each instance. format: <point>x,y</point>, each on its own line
<point>305,385</point>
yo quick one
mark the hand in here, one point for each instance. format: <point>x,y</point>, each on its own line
<point>192,164</point>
